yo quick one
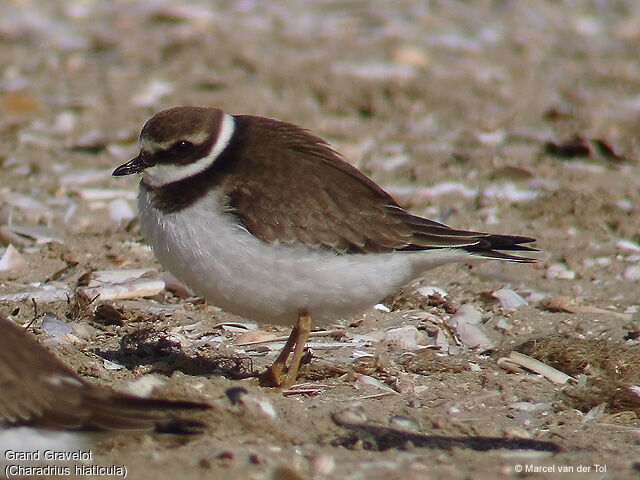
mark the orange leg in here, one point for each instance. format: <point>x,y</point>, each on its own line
<point>296,343</point>
<point>304,329</point>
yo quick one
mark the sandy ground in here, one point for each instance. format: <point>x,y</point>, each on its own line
<point>467,112</point>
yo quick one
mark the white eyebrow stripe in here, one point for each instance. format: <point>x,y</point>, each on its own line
<point>196,139</point>
<point>163,174</point>
<point>149,146</point>
<point>199,138</point>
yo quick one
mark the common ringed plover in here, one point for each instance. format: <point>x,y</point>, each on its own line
<point>266,221</point>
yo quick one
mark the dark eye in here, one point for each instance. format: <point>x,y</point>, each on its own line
<point>182,147</point>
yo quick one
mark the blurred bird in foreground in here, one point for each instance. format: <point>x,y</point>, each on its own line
<point>37,389</point>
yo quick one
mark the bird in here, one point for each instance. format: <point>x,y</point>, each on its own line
<point>40,391</point>
<point>265,220</point>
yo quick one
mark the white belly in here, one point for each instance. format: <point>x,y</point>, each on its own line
<point>239,273</point>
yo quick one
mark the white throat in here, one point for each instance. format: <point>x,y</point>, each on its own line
<point>163,174</point>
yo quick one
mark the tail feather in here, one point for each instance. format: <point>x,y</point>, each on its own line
<point>496,255</point>
<point>494,246</point>
<point>429,235</point>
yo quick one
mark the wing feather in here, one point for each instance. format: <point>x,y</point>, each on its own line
<point>291,187</point>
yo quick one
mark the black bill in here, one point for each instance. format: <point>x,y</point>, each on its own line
<point>135,165</point>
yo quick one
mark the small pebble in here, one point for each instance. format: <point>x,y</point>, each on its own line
<point>120,211</point>
<point>627,246</point>
<point>382,308</point>
<point>560,272</point>
<point>429,290</point>
<point>12,260</point>
<point>55,327</point>
<point>321,465</point>
<point>632,273</point>
<point>466,322</point>
<point>509,299</point>
<point>405,338</point>
<point>143,386</point>
<point>109,365</point>
<point>404,423</point>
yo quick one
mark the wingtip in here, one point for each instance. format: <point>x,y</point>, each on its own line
<point>495,255</point>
